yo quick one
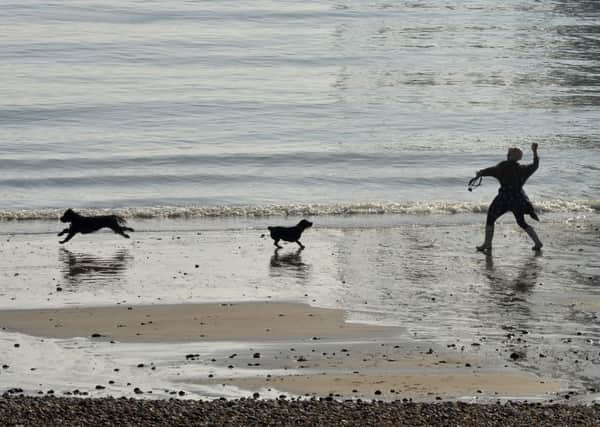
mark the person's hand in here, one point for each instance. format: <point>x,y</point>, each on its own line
<point>534,147</point>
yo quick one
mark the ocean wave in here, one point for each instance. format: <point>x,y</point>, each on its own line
<point>416,208</point>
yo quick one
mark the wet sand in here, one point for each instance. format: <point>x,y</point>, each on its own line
<point>212,313</point>
<point>258,321</point>
<point>343,359</point>
<point>393,385</point>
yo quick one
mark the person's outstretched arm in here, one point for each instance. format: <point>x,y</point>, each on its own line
<point>492,171</point>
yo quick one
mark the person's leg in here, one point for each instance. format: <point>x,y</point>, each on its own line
<point>520,218</point>
<point>495,211</point>
<point>537,243</point>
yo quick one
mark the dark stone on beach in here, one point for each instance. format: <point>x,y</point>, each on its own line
<point>137,390</point>
<point>17,345</point>
<point>140,365</point>
<point>100,387</point>
<point>97,335</point>
<point>5,366</point>
<point>256,355</point>
<point>59,289</point>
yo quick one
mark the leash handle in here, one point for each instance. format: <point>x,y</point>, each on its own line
<point>474,182</point>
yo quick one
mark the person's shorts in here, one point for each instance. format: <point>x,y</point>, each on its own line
<point>511,200</point>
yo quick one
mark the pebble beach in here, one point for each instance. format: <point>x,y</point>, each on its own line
<point>53,411</point>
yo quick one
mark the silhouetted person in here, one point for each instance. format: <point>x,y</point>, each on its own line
<point>511,197</point>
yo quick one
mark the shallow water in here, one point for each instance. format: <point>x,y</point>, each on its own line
<point>127,104</point>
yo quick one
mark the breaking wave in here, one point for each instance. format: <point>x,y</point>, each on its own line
<point>417,208</point>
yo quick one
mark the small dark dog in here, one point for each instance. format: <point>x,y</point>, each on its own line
<point>289,234</point>
<point>89,224</point>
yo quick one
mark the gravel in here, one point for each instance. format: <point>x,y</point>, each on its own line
<point>60,411</point>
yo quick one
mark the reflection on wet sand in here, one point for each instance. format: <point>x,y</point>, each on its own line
<point>288,264</point>
<point>525,279</point>
<point>79,268</point>
<point>510,291</point>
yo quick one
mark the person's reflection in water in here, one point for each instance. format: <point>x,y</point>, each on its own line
<point>79,268</point>
<point>289,264</point>
<point>510,292</point>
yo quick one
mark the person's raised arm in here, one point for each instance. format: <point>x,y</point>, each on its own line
<point>531,168</point>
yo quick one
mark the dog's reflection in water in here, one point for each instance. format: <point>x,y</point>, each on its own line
<point>289,264</point>
<point>79,268</point>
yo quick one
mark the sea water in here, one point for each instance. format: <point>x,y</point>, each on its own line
<point>173,108</point>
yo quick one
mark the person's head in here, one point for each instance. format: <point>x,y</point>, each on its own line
<point>515,154</point>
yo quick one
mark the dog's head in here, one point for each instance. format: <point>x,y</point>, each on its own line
<point>304,224</point>
<point>68,216</point>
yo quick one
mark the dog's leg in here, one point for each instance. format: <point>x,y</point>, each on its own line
<point>119,230</point>
<point>128,229</point>
<point>65,231</point>
<point>69,237</point>
<point>276,243</point>
<point>122,233</point>
<point>301,245</point>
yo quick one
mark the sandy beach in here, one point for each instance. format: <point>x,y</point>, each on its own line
<point>201,312</point>
<point>189,322</point>
<point>340,358</point>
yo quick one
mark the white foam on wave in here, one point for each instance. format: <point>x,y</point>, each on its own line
<point>416,208</point>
